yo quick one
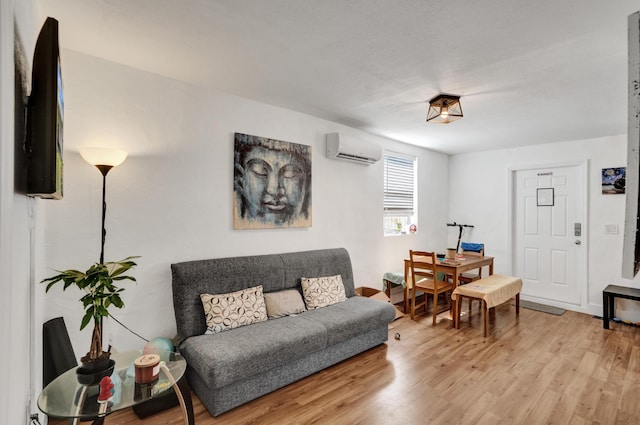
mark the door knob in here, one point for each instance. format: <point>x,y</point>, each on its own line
<point>578,242</point>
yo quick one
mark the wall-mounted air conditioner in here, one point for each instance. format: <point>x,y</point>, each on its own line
<point>351,149</point>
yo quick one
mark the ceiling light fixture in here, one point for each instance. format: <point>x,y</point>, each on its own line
<point>444,108</point>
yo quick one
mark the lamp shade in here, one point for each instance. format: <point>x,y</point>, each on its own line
<point>444,108</point>
<point>103,156</point>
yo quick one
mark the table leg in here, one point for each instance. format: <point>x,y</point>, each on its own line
<point>406,298</point>
<point>453,307</point>
<point>79,405</point>
<point>605,310</point>
<point>485,314</point>
<point>612,306</point>
<point>407,266</point>
<point>458,307</point>
<point>455,285</point>
<point>406,271</point>
<point>184,396</point>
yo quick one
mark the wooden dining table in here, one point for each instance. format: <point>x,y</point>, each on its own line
<point>454,269</point>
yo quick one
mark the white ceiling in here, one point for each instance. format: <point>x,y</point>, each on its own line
<point>528,71</point>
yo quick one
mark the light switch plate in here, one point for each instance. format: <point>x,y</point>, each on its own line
<point>611,229</point>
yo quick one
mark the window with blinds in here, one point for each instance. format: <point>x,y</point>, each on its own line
<point>399,193</point>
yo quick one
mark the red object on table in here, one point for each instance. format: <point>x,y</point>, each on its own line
<point>105,389</point>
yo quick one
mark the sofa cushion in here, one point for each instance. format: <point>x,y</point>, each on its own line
<point>351,318</point>
<point>283,303</point>
<point>322,291</point>
<point>224,358</point>
<point>235,309</point>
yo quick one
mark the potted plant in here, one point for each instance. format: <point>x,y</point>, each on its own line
<point>100,293</point>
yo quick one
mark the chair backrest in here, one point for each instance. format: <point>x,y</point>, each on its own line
<point>423,265</point>
<point>57,351</point>
<point>472,249</point>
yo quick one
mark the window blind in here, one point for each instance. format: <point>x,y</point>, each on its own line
<point>399,185</point>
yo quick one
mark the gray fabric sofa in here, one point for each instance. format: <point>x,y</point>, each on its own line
<point>233,367</point>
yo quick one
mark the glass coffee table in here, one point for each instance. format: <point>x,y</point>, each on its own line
<point>64,397</point>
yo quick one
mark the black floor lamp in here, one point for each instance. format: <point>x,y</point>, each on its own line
<point>104,159</point>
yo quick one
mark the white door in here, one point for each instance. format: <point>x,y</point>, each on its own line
<point>549,229</point>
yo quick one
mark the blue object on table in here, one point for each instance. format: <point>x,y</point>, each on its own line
<point>469,246</point>
<point>116,391</point>
<point>160,345</point>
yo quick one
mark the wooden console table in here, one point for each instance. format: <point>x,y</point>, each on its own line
<point>609,295</point>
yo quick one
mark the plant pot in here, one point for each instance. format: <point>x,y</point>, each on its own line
<point>93,375</point>
<point>95,365</point>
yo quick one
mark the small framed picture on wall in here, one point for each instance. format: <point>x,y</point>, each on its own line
<point>544,197</point>
<point>613,180</point>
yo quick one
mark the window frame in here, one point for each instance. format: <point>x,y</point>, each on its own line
<point>399,213</point>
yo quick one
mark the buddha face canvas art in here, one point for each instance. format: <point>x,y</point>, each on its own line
<point>272,183</point>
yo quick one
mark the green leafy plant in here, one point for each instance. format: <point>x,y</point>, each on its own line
<point>101,293</point>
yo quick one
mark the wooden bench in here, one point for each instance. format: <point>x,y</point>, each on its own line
<point>609,295</point>
<point>490,291</point>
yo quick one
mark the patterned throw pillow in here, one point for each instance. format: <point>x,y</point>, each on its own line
<point>323,291</point>
<point>283,303</point>
<point>229,311</point>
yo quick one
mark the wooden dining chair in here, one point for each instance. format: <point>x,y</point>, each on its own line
<point>471,250</point>
<point>425,279</point>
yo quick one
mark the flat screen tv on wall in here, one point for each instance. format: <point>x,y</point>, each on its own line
<point>45,117</point>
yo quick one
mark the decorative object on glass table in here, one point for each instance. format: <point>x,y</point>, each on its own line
<point>105,395</point>
<point>147,368</point>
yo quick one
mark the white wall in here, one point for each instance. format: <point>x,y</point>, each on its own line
<point>481,179</point>
<point>171,199</point>
<point>16,227</point>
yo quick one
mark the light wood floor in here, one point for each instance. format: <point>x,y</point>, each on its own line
<point>536,369</point>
